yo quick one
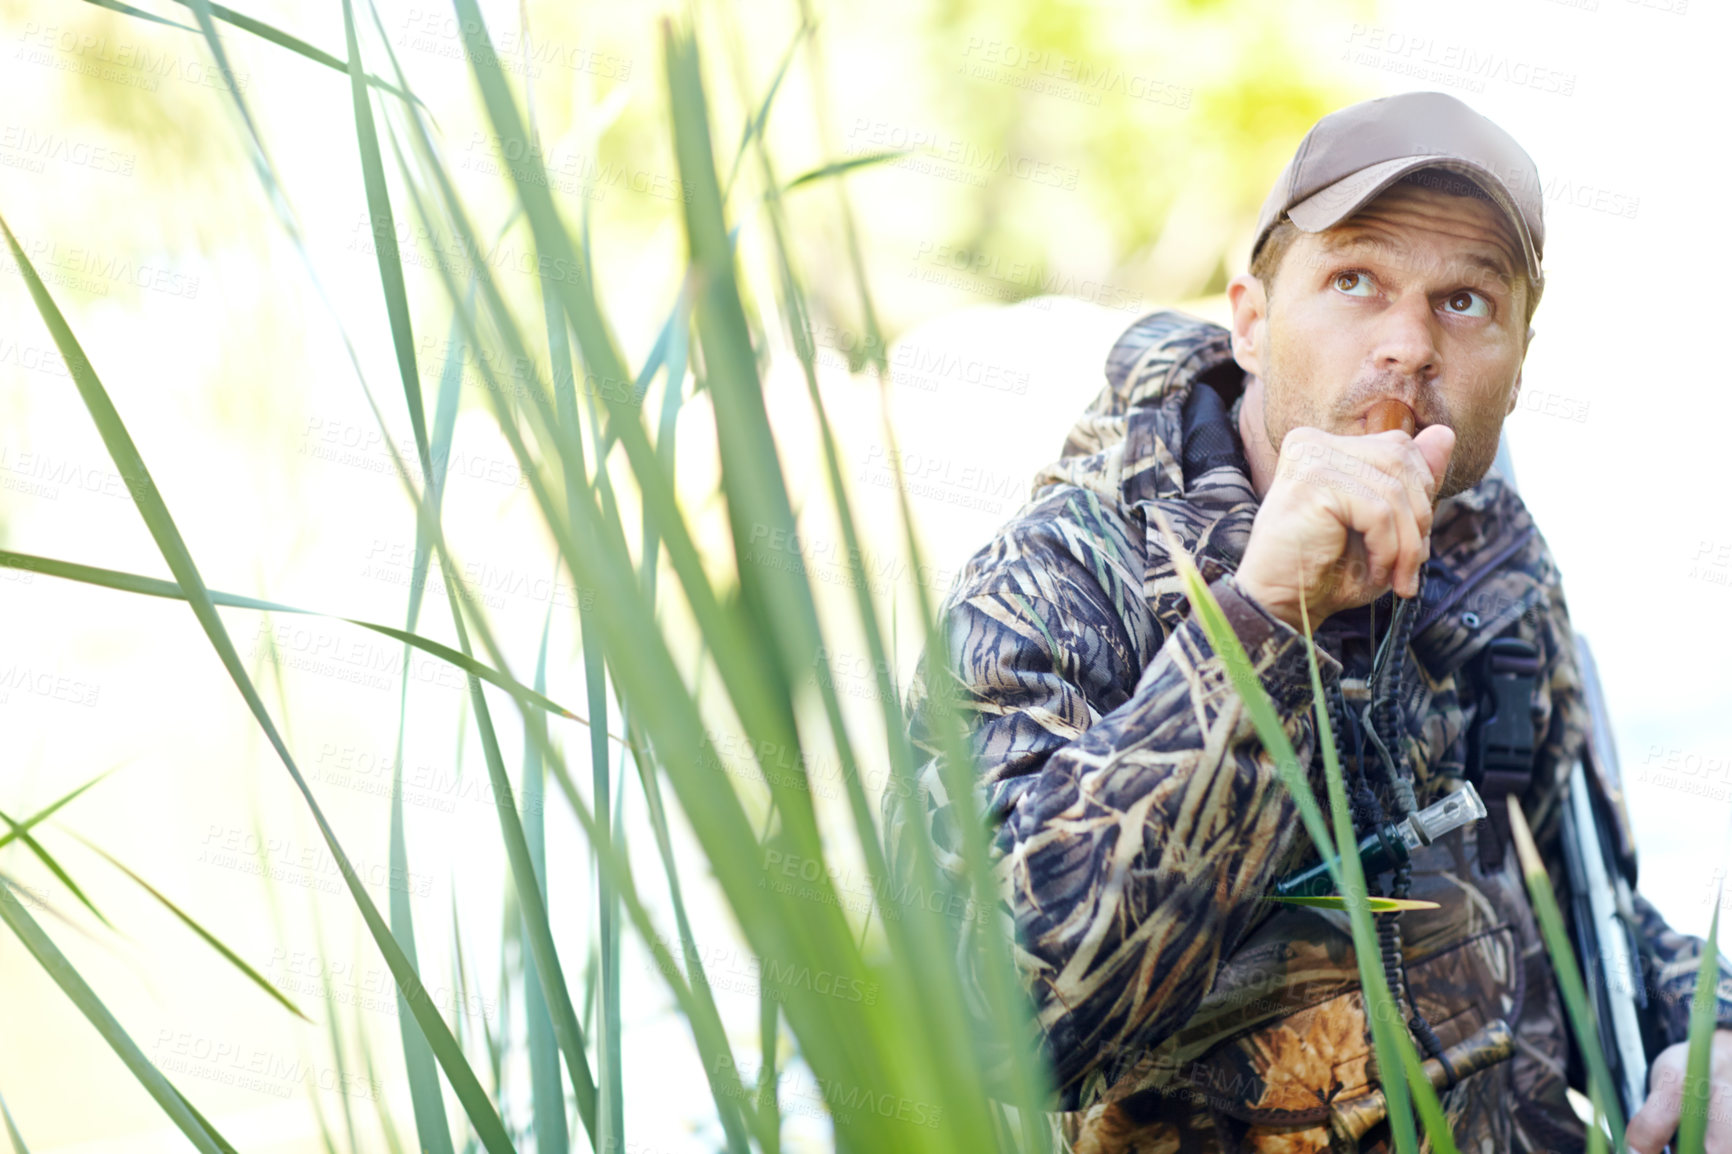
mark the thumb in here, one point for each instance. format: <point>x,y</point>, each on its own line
<point>1436,443</point>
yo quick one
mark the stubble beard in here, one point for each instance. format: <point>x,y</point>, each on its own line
<point>1289,404</point>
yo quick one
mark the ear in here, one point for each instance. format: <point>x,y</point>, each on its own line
<point>1250,316</point>
<point>1515,392</point>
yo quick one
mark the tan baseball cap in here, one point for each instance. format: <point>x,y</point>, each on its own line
<point>1354,153</point>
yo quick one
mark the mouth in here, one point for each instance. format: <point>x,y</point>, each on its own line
<point>1388,413</point>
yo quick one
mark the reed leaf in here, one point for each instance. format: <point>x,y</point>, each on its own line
<point>1698,1090</point>
<point>843,167</point>
<point>210,939</point>
<point>47,811</point>
<point>1376,905</point>
<point>156,587</point>
<point>79,993</point>
<point>547,1095</point>
<point>1577,1004</point>
<point>54,866</point>
<point>16,1138</point>
<point>247,23</point>
<point>130,463</point>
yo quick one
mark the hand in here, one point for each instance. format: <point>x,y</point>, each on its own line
<point>1346,519</point>
<point>1657,1120</point>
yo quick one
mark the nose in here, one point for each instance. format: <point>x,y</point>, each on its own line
<point>1406,341</point>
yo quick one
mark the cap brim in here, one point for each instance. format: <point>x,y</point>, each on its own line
<point>1331,205</point>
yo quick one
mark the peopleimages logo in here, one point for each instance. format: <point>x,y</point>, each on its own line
<point>940,154</point>
<point>1066,77</point>
<point>93,271</point>
<point>32,151</point>
<point>1455,65</point>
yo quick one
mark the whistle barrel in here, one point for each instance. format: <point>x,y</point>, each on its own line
<point>1390,414</point>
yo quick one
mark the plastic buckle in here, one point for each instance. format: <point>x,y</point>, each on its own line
<point>1501,756</point>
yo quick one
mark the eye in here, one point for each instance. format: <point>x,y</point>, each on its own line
<point>1467,303</point>
<point>1353,282</point>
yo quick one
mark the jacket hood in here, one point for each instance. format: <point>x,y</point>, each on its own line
<point>1151,431</point>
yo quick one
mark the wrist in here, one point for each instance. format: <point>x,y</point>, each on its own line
<point>1277,649</point>
<point>1281,608</point>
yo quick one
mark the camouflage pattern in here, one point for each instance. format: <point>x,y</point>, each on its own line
<point>1138,823</point>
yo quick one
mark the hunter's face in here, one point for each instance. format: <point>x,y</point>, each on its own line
<point>1415,297</point>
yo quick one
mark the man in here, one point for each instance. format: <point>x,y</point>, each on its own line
<point>1137,821</point>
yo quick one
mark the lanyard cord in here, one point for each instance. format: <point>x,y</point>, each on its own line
<point>1383,710</point>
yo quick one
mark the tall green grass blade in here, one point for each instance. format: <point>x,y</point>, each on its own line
<point>875,344</point>
<point>210,939</point>
<point>591,564</point>
<point>221,1143</point>
<point>1698,1090</point>
<point>266,171</point>
<point>54,867</point>
<point>956,1076</point>
<point>156,587</point>
<point>546,1094</point>
<point>1389,1034</point>
<point>769,1035</point>
<point>11,885</point>
<point>444,428</point>
<point>707,1028</point>
<point>1576,1001</point>
<point>426,1097</point>
<point>12,1133</point>
<point>157,519</point>
<point>728,1106</point>
<point>1027,1085</point>
<point>49,957</point>
<point>843,167</point>
<point>141,14</point>
<point>938,1001</point>
<point>1431,1116</point>
<point>1597,1128</point>
<point>596,567</point>
<point>493,1047</point>
<point>611,1121</point>
<point>387,1127</point>
<point>341,1063</point>
<point>671,349</point>
<point>1376,905</point>
<point>384,227</point>
<point>48,811</point>
<point>427,1100</point>
<point>699,1011</point>
<point>612,1089</point>
<point>609,1130</point>
<point>627,639</point>
<point>534,908</point>
<point>776,602</point>
<point>754,129</point>
<point>257,27</point>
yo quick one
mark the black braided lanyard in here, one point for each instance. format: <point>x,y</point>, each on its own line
<point>1383,716</point>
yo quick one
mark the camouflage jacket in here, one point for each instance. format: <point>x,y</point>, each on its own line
<point>1137,823</point>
